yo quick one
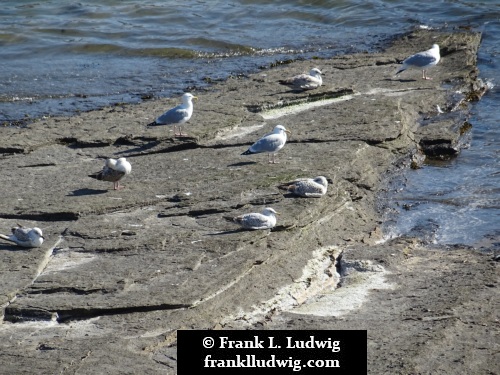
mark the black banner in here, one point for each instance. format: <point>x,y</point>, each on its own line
<point>282,352</point>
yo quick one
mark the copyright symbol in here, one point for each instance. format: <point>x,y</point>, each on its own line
<point>208,342</point>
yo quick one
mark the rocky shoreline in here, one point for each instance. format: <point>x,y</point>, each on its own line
<point>121,271</point>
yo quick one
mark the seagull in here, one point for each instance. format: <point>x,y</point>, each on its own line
<point>307,187</point>
<point>177,115</point>
<point>422,60</point>
<point>304,81</point>
<point>113,171</point>
<point>25,237</point>
<point>271,143</point>
<point>256,221</point>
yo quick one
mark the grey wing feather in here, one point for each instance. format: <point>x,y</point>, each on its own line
<point>301,81</point>
<point>306,82</point>
<point>269,143</point>
<point>108,174</point>
<point>252,221</point>
<point>309,189</point>
<point>304,187</point>
<point>420,59</point>
<point>172,116</point>
<point>21,233</point>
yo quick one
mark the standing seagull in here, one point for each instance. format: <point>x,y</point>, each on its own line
<point>113,171</point>
<point>307,187</point>
<point>304,81</point>
<point>177,115</point>
<point>422,60</point>
<point>271,143</point>
<point>25,237</point>
<point>256,221</point>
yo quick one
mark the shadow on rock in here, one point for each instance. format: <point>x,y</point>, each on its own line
<point>7,247</point>
<point>242,163</point>
<point>141,148</point>
<point>85,191</point>
<point>234,231</point>
<point>400,80</point>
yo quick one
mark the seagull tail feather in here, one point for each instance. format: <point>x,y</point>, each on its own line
<point>97,176</point>
<point>7,238</point>
<point>248,152</point>
<point>284,187</point>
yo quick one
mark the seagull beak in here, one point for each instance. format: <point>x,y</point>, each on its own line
<point>195,97</point>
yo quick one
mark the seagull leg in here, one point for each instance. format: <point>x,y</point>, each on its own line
<point>274,160</point>
<point>424,76</point>
<point>180,132</point>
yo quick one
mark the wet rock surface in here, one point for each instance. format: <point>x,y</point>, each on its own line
<point>121,271</point>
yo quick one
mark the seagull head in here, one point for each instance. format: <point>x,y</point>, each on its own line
<point>37,232</point>
<point>315,72</point>
<point>268,211</point>
<point>278,129</point>
<point>110,163</point>
<point>123,165</point>
<point>321,180</point>
<point>188,97</point>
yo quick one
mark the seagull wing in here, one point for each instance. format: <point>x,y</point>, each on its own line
<point>21,233</point>
<point>253,221</point>
<point>309,188</point>
<point>269,143</point>
<point>420,59</point>
<point>301,81</point>
<point>108,174</point>
<point>173,116</point>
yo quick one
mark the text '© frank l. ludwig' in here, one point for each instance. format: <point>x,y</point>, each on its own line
<point>270,343</point>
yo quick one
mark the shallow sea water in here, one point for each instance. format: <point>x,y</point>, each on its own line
<point>62,57</point>
<point>458,201</point>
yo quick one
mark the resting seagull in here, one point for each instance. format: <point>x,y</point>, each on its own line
<point>422,60</point>
<point>307,187</point>
<point>271,143</point>
<point>113,171</point>
<point>177,115</point>
<point>309,81</point>
<point>25,237</point>
<point>256,221</point>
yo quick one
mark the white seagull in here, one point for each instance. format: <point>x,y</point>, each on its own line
<point>25,237</point>
<point>422,60</point>
<point>256,221</point>
<point>113,171</point>
<point>177,115</point>
<point>304,81</point>
<point>271,143</point>
<point>307,187</point>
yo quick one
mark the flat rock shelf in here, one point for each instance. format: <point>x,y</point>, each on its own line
<point>121,271</point>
